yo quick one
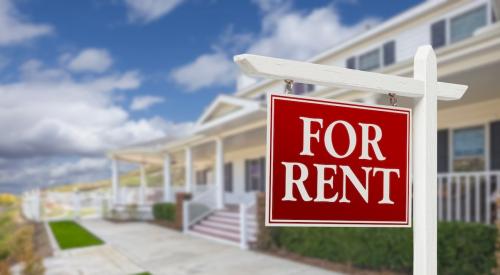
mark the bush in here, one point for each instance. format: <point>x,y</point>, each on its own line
<point>164,211</point>
<point>462,248</point>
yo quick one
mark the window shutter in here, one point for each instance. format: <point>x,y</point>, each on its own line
<point>228,177</point>
<point>299,88</point>
<point>442,151</point>
<point>262,185</point>
<point>309,88</point>
<point>495,145</point>
<point>389,49</point>
<point>438,34</point>
<point>351,63</point>
<point>247,175</point>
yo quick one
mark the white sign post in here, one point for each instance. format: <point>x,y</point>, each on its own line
<point>425,88</point>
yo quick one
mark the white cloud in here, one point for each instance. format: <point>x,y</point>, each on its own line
<point>81,166</point>
<point>144,102</point>
<point>90,60</point>
<point>285,33</point>
<point>19,174</point>
<point>149,10</point>
<point>206,70</point>
<point>14,29</point>
<point>56,127</point>
<point>297,35</point>
<point>48,112</point>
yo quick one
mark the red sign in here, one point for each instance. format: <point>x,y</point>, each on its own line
<point>334,163</point>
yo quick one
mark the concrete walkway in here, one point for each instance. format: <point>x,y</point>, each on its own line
<point>134,247</point>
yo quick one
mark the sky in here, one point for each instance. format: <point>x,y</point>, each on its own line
<point>80,78</point>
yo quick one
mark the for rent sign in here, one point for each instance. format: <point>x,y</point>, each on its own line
<point>333,163</point>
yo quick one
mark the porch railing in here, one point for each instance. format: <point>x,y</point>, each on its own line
<point>468,196</point>
<point>246,213</point>
<point>199,207</point>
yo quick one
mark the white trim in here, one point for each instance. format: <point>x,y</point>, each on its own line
<point>225,99</point>
<point>333,76</point>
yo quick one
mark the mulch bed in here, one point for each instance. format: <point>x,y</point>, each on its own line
<point>338,267</point>
<point>41,241</point>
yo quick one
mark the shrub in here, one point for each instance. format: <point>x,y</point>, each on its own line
<point>164,211</point>
<point>462,248</point>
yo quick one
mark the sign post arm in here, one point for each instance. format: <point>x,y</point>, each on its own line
<point>425,165</point>
<point>333,76</point>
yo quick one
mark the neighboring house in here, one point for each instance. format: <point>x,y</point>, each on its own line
<point>223,159</point>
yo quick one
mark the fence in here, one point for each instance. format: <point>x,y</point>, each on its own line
<point>468,196</point>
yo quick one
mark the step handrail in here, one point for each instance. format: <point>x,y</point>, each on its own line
<point>199,199</point>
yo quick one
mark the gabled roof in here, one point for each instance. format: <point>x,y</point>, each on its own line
<point>224,105</point>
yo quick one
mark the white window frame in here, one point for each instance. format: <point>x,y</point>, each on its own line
<point>451,16</point>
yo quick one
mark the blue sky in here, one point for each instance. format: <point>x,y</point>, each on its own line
<point>82,77</point>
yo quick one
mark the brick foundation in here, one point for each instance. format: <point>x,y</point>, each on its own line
<point>179,205</point>
<point>264,241</point>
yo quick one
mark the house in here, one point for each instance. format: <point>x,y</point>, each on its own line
<point>222,162</point>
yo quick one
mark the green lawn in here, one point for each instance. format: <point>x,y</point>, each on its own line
<point>71,235</point>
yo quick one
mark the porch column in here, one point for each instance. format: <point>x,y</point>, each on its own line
<point>142,188</point>
<point>189,170</point>
<point>115,181</point>
<point>167,184</point>
<point>219,173</point>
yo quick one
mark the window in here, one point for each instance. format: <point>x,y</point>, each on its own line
<point>389,49</point>
<point>202,177</point>
<point>302,88</point>
<point>468,149</point>
<point>438,34</point>
<point>370,60</point>
<point>495,145</point>
<point>255,174</point>
<point>351,63</point>
<point>464,25</point>
<point>442,151</point>
<point>228,177</point>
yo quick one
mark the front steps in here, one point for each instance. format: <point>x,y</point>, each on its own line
<point>225,225</point>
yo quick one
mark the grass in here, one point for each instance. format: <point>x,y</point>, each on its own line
<point>71,235</point>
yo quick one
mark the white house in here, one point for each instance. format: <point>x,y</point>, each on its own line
<point>223,159</point>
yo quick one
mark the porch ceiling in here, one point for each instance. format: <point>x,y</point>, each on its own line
<point>482,81</point>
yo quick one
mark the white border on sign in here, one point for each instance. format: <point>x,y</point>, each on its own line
<point>335,223</point>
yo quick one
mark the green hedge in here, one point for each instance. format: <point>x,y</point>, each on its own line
<point>164,211</point>
<point>462,248</point>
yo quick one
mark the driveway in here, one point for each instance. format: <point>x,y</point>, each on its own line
<point>133,247</point>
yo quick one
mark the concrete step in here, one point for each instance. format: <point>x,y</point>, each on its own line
<point>222,219</point>
<point>217,233</point>
<point>234,214</point>
<point>221,226</point>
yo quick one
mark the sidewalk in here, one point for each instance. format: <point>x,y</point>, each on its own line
<point>163,251</point>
